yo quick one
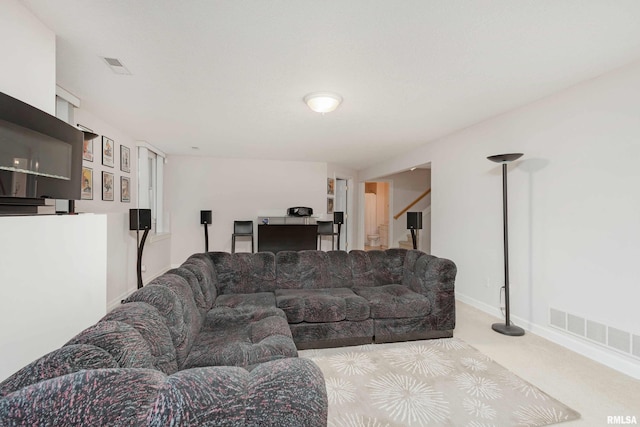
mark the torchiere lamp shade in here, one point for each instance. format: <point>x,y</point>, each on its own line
<point>139,219</point>
<point>505,158</point>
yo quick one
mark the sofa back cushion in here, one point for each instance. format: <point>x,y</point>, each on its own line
<point>122,341</point>
<point>194,283</point>
<point>147,320</point>
<point>97,397</point>
<point>303,270</point>
<point>65,360</point>
<point>204,270</point>
<point>177,318</point>
<point>387,266</point>
<point>193,315</point>
<point>361,269</point>
<point>244,273</point>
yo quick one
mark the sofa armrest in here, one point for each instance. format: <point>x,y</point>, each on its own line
<point>282,392</point>
<point>434,278</point>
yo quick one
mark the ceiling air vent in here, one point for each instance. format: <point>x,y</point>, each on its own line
<point>116,66</point>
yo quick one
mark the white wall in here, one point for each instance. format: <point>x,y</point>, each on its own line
<point>573,206</point>
<point>235,189</point>
<point>53,283</point>
<point>408,186</point>
<point>121,249</point>
<point>28,70</point>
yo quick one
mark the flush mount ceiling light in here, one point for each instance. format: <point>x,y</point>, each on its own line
<point>323,102</point>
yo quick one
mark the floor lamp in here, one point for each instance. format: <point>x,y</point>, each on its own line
<point>205,219</point>
<point>506,328</point>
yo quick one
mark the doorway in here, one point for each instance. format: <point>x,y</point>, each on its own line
<point>376,215</point>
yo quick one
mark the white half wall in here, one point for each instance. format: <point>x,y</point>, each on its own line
<point>573,207</point>
<point>28,70</point>
<point>235,189</point>
<point>53,274</point>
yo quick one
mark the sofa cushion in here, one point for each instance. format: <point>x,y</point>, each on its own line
<point>244,273</point>
<point>303,270</point>
<point>65,360</point>
<point>96,397</point>
<point>388,266</point>
<point>243,336</point>
<point>194,283</point>
<point>122,341</point>
<point>287,392</point>
<point>260,299</point>
<point>171,308</point>
<point>321,305</point>
<point>204,270</point>
<point>394,301</point>
<point>147,320</point>
<point>361,269</point>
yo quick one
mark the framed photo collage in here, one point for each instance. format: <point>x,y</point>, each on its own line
<point>109,182</point>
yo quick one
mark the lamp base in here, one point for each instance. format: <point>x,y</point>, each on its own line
<point>510,330</point>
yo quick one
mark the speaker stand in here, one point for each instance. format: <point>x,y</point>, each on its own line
<point>413,238</point>
<point>140,249</point>
<point>206,238</point>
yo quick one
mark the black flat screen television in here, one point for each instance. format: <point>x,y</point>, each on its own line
<point>40,157</point>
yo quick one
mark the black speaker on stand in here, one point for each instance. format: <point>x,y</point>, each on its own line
<point>140,219</point>
<point>414,222</point>
<point>205,219</point>
<point>506,328</point>
<point>338,218</point>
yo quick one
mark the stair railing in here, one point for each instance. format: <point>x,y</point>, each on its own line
<point>410,205</point>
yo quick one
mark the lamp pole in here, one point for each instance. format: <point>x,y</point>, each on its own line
<point>506,328</point>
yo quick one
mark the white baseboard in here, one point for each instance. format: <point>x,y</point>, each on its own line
<point>594,352</point>
<point>116,302</point>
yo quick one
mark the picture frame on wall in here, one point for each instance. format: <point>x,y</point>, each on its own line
<point>125,189</point>
<point>331,185</point>
<point>329,205</point>
<point>87,145</point>
<point>87,184</point>
<point>107,186</point>
<point>107,151</point>
<point>125,158</point>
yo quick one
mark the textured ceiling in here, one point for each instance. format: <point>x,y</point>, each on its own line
<point>229,76</point>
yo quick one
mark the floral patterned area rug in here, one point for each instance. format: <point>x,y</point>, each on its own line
<point>442,382</point>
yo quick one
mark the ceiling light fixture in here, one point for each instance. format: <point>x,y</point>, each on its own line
<point>323,102</point>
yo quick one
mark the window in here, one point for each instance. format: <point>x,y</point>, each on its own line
<point>150,185</point>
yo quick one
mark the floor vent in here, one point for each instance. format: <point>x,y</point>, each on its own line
<point>607,336</point>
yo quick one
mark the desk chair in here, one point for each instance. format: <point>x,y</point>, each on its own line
<point>325,228</point>
<point>241,229</point>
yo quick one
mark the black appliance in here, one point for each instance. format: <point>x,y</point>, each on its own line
<point>300,211</point>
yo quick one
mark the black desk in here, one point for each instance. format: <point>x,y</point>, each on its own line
<point>287,237</point>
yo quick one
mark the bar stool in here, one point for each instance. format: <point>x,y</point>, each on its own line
<point>325,228</point>
<point>241,229</point>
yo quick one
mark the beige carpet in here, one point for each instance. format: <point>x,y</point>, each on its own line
<point>442,382</point>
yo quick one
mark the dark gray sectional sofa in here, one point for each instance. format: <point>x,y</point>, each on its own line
<point>337,298</point>
<point>214,342</point>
